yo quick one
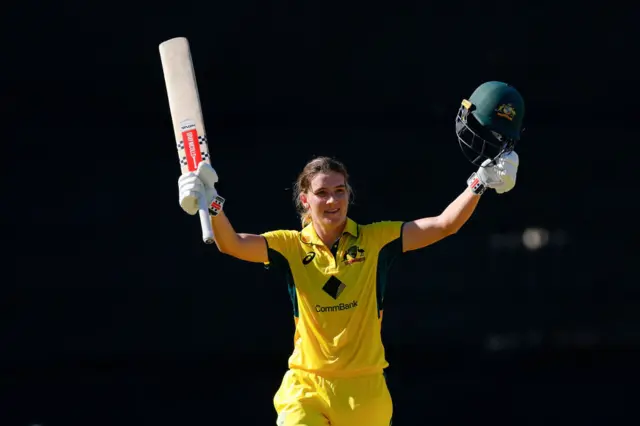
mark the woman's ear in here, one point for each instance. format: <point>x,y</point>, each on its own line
<point>304,200</point>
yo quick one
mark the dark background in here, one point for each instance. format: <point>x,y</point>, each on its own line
<point>115,313</point>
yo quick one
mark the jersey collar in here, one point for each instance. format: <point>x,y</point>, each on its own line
<point>308,234</point>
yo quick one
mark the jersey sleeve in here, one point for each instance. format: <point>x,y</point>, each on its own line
<point>386,237</point>
<point>385,233</point>
<point>280,244</point>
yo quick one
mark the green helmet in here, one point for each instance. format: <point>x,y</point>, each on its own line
<point>489,123</point>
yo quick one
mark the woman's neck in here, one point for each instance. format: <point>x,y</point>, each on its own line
<point>330,235</point>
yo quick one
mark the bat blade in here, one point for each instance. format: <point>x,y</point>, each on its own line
<point>186,114</point>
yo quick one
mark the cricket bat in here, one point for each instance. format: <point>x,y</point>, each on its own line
<point>186,115</point>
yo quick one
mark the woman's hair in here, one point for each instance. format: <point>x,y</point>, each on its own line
<point>303,183</point>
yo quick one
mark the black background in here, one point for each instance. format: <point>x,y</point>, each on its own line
<point>115,313</point>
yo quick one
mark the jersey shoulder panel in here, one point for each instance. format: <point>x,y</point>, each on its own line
<point>283,241</point>
<point>379,234</point>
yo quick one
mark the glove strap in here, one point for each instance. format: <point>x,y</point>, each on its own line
<point>475,184</point>
<point>216,205</point>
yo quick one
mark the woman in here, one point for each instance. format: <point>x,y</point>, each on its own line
<point>336,272</point>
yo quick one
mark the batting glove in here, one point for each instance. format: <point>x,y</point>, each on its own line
<point>500,176</point>
<point>201,183</point>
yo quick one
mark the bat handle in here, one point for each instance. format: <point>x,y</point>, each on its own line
<point>205,221</point>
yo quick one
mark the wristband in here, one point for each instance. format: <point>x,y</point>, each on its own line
<point>475,184</point>
<point>216,205</point>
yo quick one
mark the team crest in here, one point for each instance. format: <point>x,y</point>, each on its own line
<point>352,255</point>
<point>506,111</point>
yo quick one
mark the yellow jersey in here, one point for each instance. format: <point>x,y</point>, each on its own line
<point>337,294</point>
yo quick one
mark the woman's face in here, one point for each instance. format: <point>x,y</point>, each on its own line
<point>327,199</point>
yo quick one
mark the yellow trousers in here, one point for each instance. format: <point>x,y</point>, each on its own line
<point>306,399</point>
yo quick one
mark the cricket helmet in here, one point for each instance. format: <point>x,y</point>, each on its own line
<point>489,123</point>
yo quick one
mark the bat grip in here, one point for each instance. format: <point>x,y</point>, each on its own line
<point>205,221</point>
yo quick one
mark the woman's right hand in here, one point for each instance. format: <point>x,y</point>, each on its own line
<point>193,185</point>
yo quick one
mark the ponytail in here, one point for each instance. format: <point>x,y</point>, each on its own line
<point>305,219</point>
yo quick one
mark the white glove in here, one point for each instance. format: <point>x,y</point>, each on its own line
<point>201,183</point>
<point>500,176</point>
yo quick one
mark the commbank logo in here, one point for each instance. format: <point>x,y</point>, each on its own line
<point>338,307</point>
<point>334,287</point>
